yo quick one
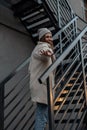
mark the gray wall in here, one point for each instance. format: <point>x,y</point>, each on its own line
<point>77,7</point>
<point>15,46</point>
<point>7,17</point>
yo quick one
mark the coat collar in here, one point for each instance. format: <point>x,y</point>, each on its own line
<point>45,43</point>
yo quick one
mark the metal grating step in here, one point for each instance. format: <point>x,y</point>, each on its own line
<point>24,6</point>
<point>36,14</point>
<point>38,23</point>
<point>31,11</point>
<point>35,19</point>
<point>47,24</point>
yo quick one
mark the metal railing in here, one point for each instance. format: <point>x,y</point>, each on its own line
<point>63,13</point>
<point>67,106</point>
<point>16,108</point>
<point>65,36</point>
<point>82,24</point>
<point>61,10</point>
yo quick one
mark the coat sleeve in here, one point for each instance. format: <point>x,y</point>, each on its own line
<point>37,54</point>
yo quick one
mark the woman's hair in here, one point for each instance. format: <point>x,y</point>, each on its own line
<point>43,40</point>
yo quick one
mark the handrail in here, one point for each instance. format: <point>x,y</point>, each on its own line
<point>56,6</point>
<point>44,76</point>
<point>7,78</point>
<point>68,24</point>
<point>80,18</point>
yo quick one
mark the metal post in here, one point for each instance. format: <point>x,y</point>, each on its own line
<point>83,67</point>
<point>58,13</point>
<point>50,103</point>
<point>2,107</point>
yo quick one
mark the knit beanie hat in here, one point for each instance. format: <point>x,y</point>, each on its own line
<point>42,32</point>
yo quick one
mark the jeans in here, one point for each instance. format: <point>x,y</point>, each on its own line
<point>41,117</point>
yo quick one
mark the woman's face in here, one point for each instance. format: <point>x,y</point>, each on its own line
<point>48,38</point>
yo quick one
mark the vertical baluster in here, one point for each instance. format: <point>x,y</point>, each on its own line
<point>83,69</point>
<point>1,106</point>
<point>50,103</point>
<point>58,13</point>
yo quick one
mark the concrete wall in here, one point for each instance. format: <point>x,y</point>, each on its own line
<point>7,17</point>
<point>85,9</point>
<point>77,6</point>
<point>15,46</point>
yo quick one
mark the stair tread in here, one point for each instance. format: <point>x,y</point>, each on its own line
<point>28,10</point>
<point>33,10</point>
<point>35,20</point>
<point>38,23</point>
<point>21,5</point>
<point>33,14</point>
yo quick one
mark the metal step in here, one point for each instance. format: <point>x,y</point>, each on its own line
<point>24,6</point>
<point>34,17</point>
<point>33,14</point>
<point>31,11</point>
<point>38,23</point>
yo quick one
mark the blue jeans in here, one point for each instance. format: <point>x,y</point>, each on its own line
<point>41,117</point>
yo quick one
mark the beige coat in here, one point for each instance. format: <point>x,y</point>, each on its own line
<point>38,64</point>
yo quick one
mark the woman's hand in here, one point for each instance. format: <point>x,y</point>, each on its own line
<point>46,52</point>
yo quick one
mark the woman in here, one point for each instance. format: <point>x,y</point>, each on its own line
<point>41,59</point>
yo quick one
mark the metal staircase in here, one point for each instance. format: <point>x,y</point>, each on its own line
<point>35,17</point>
<point>44,14</point>
<point>67,110</point>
